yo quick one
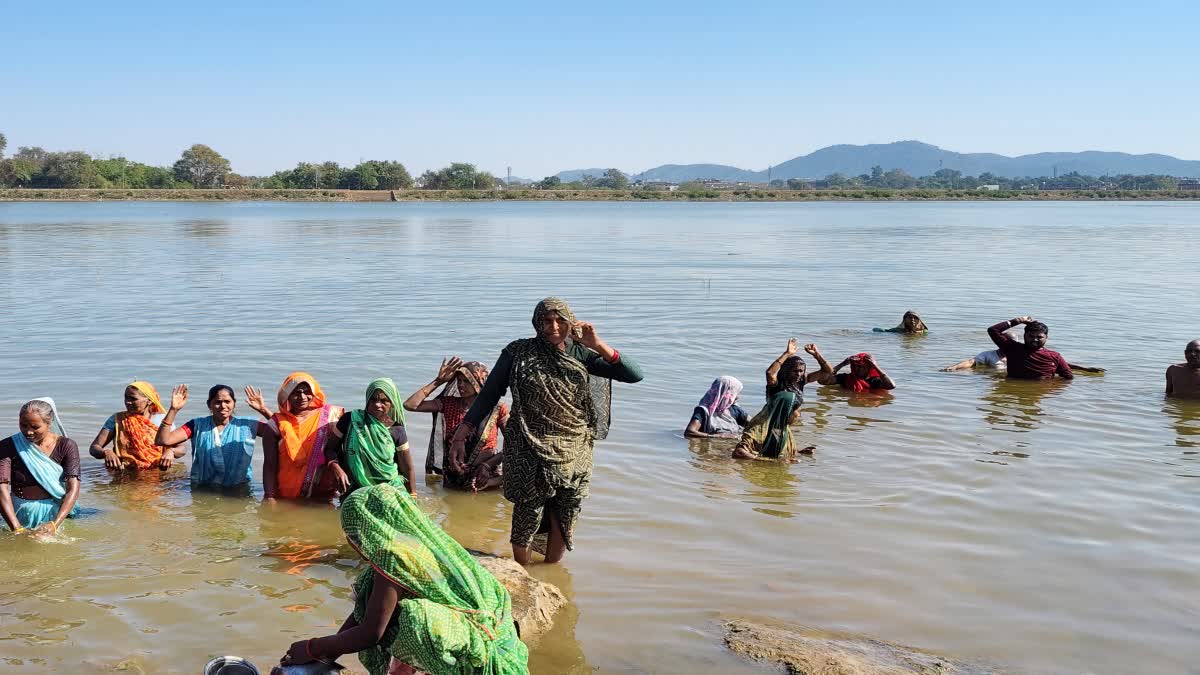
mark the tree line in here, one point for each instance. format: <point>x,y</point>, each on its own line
<point>202,167</point>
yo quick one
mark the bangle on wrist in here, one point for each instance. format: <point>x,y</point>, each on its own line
<point>616,355</point>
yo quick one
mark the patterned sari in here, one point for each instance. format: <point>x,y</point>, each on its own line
<point>768,434</point>
<point>548,440</point>
<point>134,435</point>
<point>302,442</point>
<point>370,449</point>
<point>446,422</point>
<point>454,617</point>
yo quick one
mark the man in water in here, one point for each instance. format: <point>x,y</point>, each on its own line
<point>1183,379</point>
<point>1029,360</point>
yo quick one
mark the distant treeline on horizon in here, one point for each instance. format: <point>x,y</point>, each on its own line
<point>202,167</point>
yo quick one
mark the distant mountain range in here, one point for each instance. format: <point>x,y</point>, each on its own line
<point>919,159</point>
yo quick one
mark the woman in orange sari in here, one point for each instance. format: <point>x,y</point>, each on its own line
<point>294,453</point>
<point>132,433</point>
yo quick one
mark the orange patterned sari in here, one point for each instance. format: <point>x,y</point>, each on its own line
<point>302,442</point>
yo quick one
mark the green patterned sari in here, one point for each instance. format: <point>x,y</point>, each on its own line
<point>455,618</point>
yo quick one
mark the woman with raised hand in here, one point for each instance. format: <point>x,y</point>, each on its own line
<point>789,372</point>
<point>484,462</point>
<point>133,432</point>
<point>222,442</point>
<point>294,448</point>
<point>39,471</point>
<point>865,375</point>
<point>561,385</point>
<point>370,446</point>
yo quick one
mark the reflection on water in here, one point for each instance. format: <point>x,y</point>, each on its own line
<point>922,517</point>
<point>1016,405</point>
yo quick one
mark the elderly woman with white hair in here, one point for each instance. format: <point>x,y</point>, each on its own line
<point>39,471</point>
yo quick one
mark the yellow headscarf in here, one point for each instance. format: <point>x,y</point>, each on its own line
<point>149,392</point>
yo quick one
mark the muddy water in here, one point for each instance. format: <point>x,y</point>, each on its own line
<point>1047,527</point>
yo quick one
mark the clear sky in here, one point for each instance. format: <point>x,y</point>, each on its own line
<point>544,87</point>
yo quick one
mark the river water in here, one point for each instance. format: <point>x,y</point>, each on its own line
<point>1050,528</point>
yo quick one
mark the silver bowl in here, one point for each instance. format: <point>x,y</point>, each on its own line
<point>230,665</point>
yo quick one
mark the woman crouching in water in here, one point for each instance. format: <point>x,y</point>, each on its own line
<point>484,464</point>
<point>423,602</point>
<point>39,471</point>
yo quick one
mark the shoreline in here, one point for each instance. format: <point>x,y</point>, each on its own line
<point>738,195</point>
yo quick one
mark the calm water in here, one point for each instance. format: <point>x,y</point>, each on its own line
<point>1053,528</point>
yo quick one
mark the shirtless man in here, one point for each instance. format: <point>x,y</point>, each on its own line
<point>1183,379</point>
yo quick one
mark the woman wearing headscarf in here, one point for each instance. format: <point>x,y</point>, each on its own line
<point>561,385</point>
<point>789,372</point>
<point>294,451</point>
<point>718,414</point>
<point>768,435</point>
<point>370,445</point>
<point>463,382</point>
<point>222,443</point>
<point>133,432</point>
<point>423,602</point>
<point>910,324</point>
<point>865,374</point>
<point>39,471</point>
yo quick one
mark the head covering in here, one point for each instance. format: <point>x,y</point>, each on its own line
<point>289,385</point>
<point>790,378</point>
<point>149,392</point>
<point>456,617</point>
<point>388,387</point>
<point>302,442</point>
<point>551,305</point>
<point>56,424</point>
<point>853,381</point>
<point>919,328</point>
<point>447,421</point>
<point>717,401</point>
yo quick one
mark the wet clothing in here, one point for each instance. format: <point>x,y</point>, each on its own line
<point>1025,363</point>
<point>739,416</point>
<point>368,450</point>
<point>768,434</point>
<point>453,617</point>
<point>222,460</point>
<point>38,481</point>
<point>557,414</point>
<point>301,461</point>
<point>13,469</point>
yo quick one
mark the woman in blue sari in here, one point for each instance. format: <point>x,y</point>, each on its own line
<point>39,471</point>
<point>222,443</point>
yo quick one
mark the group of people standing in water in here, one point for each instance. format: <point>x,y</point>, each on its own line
<point>424,604</point>
<point>767,435</point>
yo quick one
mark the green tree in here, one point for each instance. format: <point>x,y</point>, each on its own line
<point>612,179</point>
<point>3,145</point>
<point>17,172</point>
<point>393,176</point>
<point>329,175</point>
<point>797,184</point>
<point>876,177</point>
<point>69,170</point>
<point>365,176</point>
<point>201,166</point>
<point>458,176</point>
<point>549,183</point>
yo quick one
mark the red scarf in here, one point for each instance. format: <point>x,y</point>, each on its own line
<point>853,381</point>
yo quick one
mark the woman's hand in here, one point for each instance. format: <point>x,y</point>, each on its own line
<point>254,398</point>
<point>111,461</point>
<point>811,349</point>
<point>297,654</point>
<point>481,477</point>
<point>458,452</point>
<point>585,334</point>
<point>179,397</point>
<point>792,347</point>
<point>340,479</point>
<point>449,367</point>
<point>166,460</point>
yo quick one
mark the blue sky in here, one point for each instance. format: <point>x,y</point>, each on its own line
<point>544,87</point>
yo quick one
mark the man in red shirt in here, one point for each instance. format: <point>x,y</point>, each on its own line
<point>1029,360</point>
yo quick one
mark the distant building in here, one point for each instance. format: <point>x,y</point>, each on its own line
<point>990,188</point>
<point>661,185</point>
<point>1189,183</point>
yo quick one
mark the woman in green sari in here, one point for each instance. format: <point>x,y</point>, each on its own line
<point>768,435</point>
<point>372,445</point>
<point>561,385</point>
<point>423,603</point>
